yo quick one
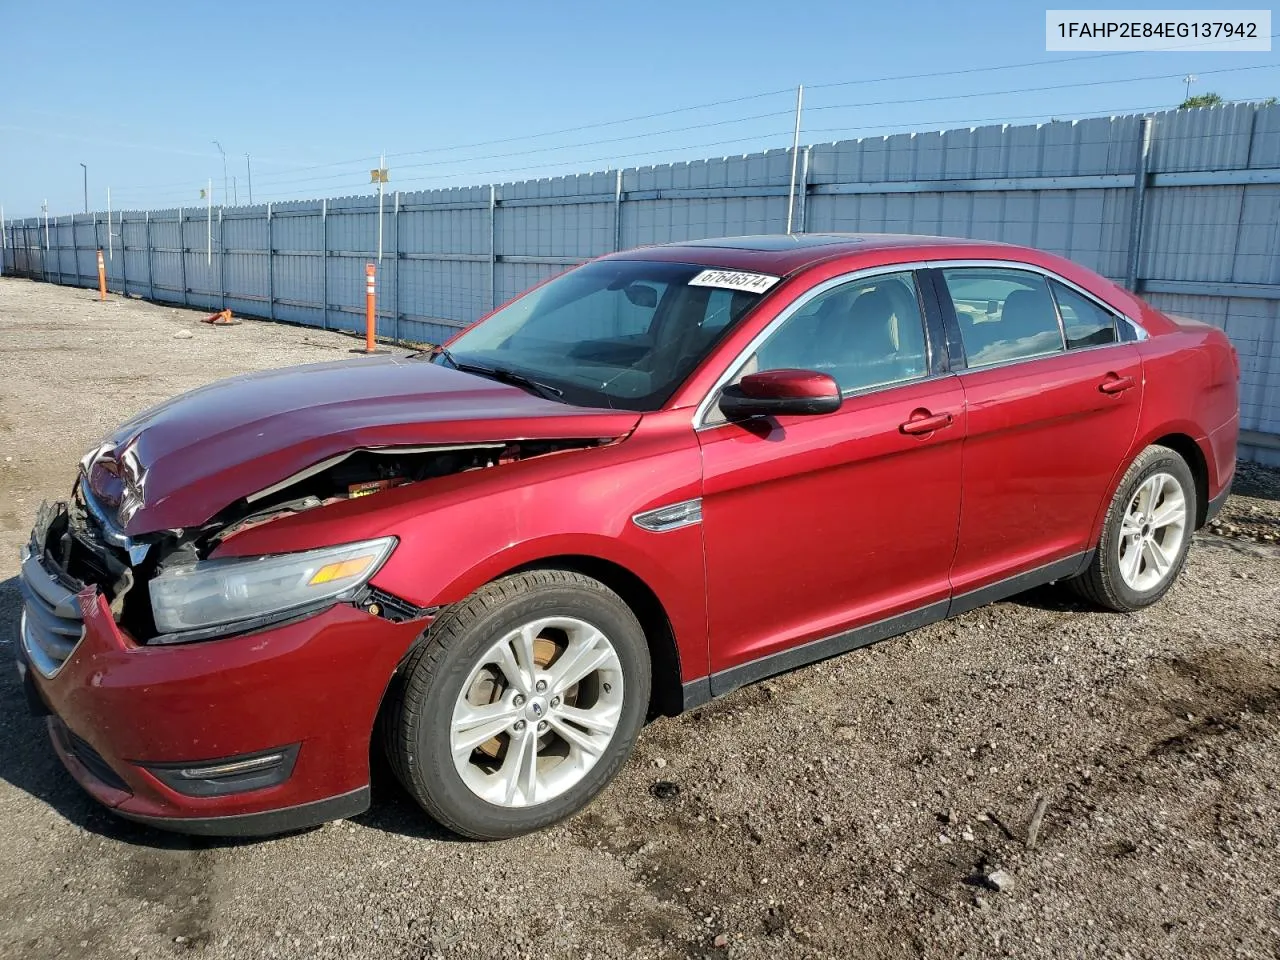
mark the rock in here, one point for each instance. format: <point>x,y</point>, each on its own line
<point>846,732</point>
<point>660,762</point>
<point>721,941</point>
<point>1000,881</point>
<point>664,790</point>
<point>967,835</point>
<point>183,335</point>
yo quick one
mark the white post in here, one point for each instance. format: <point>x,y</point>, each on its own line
<point>45,209</point>
<point>382,162</point>
<point>795,156</point>
<point>208,242</point>
<point>4,240</point>
<point>110,247</point>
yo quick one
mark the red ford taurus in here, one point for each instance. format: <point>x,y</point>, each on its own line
<point>659,476</point>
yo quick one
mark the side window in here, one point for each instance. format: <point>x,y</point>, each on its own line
<point>866,333</point>
<point>1085,322</point>
<point>1004,314</point>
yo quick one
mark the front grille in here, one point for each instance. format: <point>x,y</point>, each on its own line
<point>51,622</point>
<point>89,758</point>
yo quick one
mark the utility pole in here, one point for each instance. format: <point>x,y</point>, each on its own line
<point>86,187</point>
<point>795,156</point>
<point>235,192</point>
<point>379,177</point>
<point>225,191</point>
<point>1189,79</point>
<point>249,171</point>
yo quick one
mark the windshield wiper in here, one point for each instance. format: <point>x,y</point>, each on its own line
<point>503,375</point>
<point>442,352</point>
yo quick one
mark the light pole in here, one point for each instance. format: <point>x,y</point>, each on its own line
<point>1189,79</point>
<point>249,170</point>
<point>86,187</point>
<point>224,170</point>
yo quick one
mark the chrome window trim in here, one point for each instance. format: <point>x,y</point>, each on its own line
<point>1139,331</point>
<point>708,402</point>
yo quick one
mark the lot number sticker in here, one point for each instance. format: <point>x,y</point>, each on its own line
<point>734,280</point>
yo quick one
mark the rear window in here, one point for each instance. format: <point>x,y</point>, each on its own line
<point>1004,314</point>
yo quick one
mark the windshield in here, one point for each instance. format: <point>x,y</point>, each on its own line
<point>613,333</point>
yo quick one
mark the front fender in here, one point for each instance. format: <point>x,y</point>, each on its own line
<point>459,532</point>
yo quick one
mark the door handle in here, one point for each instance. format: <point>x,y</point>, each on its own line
<point>922,421</point>
<point>1114,384</point>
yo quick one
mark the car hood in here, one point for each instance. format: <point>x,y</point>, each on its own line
<point>177,464</point>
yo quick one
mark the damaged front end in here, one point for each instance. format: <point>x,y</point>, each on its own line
<point>170,586</point>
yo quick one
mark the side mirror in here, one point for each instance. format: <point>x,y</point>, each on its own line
<point>774,392</point>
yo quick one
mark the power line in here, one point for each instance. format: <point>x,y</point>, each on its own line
<point>1016,66</point>
<point>1054,86</point>
<point>283,180</point>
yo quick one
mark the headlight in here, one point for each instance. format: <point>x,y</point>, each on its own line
<point>215,592</point>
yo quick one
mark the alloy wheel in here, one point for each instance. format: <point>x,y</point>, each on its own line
<point>537,712</point>
<point>1151,532</point>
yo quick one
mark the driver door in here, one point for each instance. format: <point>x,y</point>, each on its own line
<point>823,533</point>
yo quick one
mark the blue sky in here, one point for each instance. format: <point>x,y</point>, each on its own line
<point>313,92</point>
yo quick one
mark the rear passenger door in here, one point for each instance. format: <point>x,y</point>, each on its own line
<point>1053,395</point>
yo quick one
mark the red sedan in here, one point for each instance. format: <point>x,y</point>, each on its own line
<point>649,481</point>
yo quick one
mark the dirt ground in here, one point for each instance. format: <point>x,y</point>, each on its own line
<point>851,809</point>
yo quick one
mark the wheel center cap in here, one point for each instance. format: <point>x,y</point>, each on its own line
<point>536,708</point>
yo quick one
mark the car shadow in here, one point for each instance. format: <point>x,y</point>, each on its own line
<point>28,763</point>
<point>1055,597</point>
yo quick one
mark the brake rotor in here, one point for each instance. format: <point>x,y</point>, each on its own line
<point>490,686</point>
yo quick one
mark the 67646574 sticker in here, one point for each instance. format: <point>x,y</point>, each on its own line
<point>734,280</point>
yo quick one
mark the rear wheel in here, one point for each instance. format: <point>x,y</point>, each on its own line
<point>521,704</point>
<point>1146,534</point>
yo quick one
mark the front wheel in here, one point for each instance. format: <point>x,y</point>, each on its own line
<point>1146,534</point>
<point>520,705</point>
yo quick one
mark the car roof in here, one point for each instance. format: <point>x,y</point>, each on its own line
<point>782,253</point>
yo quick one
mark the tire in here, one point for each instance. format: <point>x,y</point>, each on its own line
<point>1164,475</point>
<point>456,676</point>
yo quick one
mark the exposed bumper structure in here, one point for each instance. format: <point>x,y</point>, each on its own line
<point>123,714</point>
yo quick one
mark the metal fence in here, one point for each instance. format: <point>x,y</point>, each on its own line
<point>1183,206</point>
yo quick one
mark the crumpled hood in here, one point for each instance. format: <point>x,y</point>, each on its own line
<point>189,457</point>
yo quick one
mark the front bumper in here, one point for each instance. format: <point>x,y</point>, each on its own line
<point>118,706</point>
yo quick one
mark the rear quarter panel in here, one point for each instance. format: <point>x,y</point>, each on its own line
<point>1192,386</point>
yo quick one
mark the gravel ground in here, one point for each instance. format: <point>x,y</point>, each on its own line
<point>863,807</point>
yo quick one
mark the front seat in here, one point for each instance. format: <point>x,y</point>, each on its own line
<point>865,345</point>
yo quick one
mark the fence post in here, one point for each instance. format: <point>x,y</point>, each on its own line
<point>271,270</point>
<point>182,255</point>
<point>75,249</point>
<point>151,266</point>
<point>1140,177</point>
<point>617,210</point>
<point>395,277</point>
<point>324,263</point>
<point>802,200</point>
<point>222,253</point>
<point>124,259</point>
<point>493,246</point>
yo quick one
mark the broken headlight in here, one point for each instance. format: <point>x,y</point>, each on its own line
<point>232,591</point>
